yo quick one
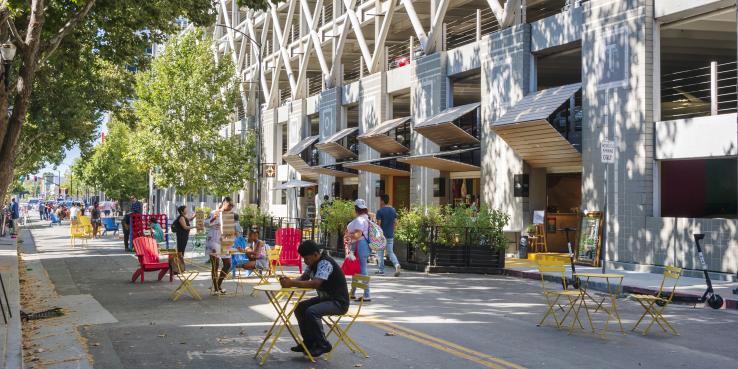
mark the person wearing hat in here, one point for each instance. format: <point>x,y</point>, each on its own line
<point>326,276</point>
<point>358,231</point>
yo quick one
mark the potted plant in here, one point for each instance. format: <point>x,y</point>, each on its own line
<point>335,216</point>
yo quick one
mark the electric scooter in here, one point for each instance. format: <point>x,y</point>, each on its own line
<point>710,297</point>
<point>575,280</point>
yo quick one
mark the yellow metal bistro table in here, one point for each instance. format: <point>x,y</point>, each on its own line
<point>612,295</point>
<point>284,301</point>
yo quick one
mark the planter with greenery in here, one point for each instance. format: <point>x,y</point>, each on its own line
<point>334,216</point>
<point>455,237</point>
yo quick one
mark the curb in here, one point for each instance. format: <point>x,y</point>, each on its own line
<point>680,297</point>
<point>11,348</point>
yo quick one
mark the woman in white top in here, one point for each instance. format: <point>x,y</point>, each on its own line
<point>213,247</point>
<point>358,231</point>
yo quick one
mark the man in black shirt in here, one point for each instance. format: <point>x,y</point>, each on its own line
<point>326,276</point>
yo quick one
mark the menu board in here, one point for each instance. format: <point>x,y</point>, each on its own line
<point>590,238</point>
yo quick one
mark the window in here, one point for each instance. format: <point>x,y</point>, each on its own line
<point>699,188</point>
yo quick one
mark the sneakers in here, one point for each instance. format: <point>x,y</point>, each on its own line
<point>297,348</point>
<point>397,270</point>
<point>379,272</point>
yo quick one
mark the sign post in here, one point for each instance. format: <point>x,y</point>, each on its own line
<point>607,156</point>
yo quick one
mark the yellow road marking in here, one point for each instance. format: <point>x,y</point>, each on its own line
<point>446,346</point>
<point>439,347</point>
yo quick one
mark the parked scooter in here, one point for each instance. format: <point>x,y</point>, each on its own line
<point>574,279</point>
<point>710,297</point>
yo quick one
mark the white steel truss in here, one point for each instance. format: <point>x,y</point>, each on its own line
<point>270,47</point>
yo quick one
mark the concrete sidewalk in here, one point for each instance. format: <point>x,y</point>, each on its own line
<point>11,351</point>
<point>688,288</point>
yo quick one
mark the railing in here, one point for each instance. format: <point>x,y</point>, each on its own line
<point>315,85</point>
<point>708,90</point>
<point>268,227</point>
<point>469,28</point>
<point>461,247</point>
<point>284,95</point>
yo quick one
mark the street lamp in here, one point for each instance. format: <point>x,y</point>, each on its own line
<point>257,111</point>
<point>7,51</point>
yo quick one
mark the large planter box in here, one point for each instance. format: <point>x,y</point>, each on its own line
<point>451,259</point>
<point>465,259</point>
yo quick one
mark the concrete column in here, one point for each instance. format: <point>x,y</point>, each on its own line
<point>269,132</point>
<point>296,123</point>
<point>428,96</point>
<point>373,102</point>
<point>330,121</point>
<point>505,74</point>
<point>617,99</point>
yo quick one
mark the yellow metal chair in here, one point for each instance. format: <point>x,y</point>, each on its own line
<point>76,230</point>
<point>357,281</point>
<point>86,223</point>
<point>264,275</point>
<point>654,305</point>
<point>185,278</point>
<point>553,297</point>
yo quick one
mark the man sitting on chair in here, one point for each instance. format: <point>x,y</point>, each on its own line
<point>326,276</point>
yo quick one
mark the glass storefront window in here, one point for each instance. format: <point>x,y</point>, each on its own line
<point>699,188</point>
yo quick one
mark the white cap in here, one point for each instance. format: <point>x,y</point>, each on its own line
<point>360,203</point>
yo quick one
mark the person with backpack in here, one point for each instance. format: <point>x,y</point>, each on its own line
<point>358,232</point>
<point>387,218</point>
<point>181,228</point>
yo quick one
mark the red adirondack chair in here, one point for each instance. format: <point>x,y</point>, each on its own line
<point>147,252</point>
<point>289,239</point>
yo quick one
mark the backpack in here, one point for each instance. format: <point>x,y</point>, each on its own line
<point>377,241</point>
<point>175,225</point>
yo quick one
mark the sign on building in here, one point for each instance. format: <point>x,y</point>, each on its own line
<point>607,152</point>
<point>612,58</point>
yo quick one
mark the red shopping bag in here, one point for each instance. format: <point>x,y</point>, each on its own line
<point>351,267</point>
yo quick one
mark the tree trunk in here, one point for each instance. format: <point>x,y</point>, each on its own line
<point>23,88</point>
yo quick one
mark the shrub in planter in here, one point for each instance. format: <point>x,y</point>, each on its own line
<point>253,216</point>
<point>336,215</point>
<point>455,225</point>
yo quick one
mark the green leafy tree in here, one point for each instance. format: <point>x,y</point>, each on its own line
<point>184,101</point>
<point>60,45</point>
<point>111,168</point>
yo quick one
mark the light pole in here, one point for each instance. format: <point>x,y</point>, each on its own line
<point>257,110</point>
<point>7,51</point>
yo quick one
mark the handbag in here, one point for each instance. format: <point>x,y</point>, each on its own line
<point>351,267</point>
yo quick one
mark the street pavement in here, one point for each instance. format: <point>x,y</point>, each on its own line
<point>414,321</point>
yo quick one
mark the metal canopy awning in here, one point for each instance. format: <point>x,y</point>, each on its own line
<point>331,146</point>
<point>441,129</point>
<point>332,170</point>
<point>294,158</point>
<point>437,161</point>
<point>373,166</point>
<point>377,138</point>
<point>526,129</point>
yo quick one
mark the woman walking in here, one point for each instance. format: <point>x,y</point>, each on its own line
<point>358,231</point>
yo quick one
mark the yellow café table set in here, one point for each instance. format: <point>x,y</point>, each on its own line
<point>284,300</point>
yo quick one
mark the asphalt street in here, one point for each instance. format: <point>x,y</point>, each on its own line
<point>414,321</point>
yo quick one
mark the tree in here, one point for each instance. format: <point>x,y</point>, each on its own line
<point>184,102</point>
<point>111,168</point>
<point>47,35</point>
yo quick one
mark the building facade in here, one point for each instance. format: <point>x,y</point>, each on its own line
<point>504,104</point>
